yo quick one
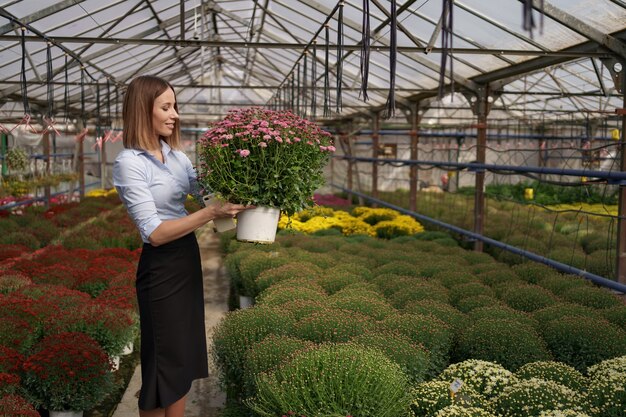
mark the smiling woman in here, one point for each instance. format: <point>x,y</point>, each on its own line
<point>153,178</point>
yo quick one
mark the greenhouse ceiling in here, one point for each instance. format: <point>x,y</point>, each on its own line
<point>71,59</point>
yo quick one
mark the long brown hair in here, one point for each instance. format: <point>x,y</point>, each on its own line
<point>137,113</point>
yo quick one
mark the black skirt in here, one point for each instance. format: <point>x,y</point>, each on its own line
<point>171,310</point>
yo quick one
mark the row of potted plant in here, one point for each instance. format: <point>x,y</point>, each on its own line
<point>575,237</point>
<point>446,304</point>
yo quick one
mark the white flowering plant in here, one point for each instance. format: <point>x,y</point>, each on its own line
<point>488,378</point>
<point>265,158</point>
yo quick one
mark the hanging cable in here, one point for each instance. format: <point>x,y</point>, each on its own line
<point>365,50</point>
<point>326,72</point>
<point>304,97</point>
<point>390,106</point>
<point>23,74</point>
<point>338,101</point>
<point>313,80</point>
<point>446,46</point>
<point>299,91</point>
<point>528,20</point>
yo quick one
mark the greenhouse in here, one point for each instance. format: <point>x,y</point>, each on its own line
<point>445,182</point>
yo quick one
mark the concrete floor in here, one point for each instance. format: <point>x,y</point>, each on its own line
<point>205,398</point>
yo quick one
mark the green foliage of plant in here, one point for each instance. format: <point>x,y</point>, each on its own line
<point>287,271</point>
<point>20,238</point>
<point>419,291</point>
<point>484,377</point>
<point>333,380</point>
<point>527,298</point>
<point>471,289</point>
<point>357,269</point>
<point>532,272</point>
<point>602,263</point>
<point>561,310</point>
<point>522,241</point>
<point>498,276</point>
<point>595,241</point>
<point>477,258</point>
<point>438,265</point>
<point>390,283</point>
<point>559,283</point>
<point>426,330</point>
<point>397,268</point>
<point>237,332</point>
<point>430,397</point>
<point>453,278</point>
<point>17,159</point>
<point>251,266</point>
<point>616,315</point>
<point>501,312</point>
<point>568,255</point>
<point>334,280</point>
<point>264,157</point>
<point>361,289</point>
<point>608,366</point>
<point>268,354</point>
<point>369,306</point>
<point>547,194</point>
<point>583,341</point>
<point>332,325</point>
<point>412,358</point>
<point>287,291</point>
<point>531,396</point>
<point>299,309</point>
<point>592,297</point>
<point>468,304</point>
<point>322,260</point>
<point>443,311</point>
<point>507,342</point>
<point>553,371</point>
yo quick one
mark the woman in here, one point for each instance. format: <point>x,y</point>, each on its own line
<point>153,179</point>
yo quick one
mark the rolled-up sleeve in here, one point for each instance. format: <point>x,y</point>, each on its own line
<point>194,186</point>
<point>131,182</point>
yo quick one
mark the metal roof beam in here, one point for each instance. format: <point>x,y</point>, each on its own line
<point>615,45</point>
<point>40,14</point>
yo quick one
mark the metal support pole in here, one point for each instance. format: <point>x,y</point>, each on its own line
<point>103,166</point>
<point>375,149</point>
<point>621,220</point>
<point>479,197</point>
<point>413,176</point>
<point>46,169</point>
<point>4,146</point>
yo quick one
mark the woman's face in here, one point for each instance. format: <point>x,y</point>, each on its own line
<point>164,114</point>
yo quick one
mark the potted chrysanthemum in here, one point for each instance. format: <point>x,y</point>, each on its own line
<point>273,160</point>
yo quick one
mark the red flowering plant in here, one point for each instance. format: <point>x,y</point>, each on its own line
<point>113,328</point>
<point>265,158</point>
<point>10,366</point>
<point>16,406</point>
<point>68,371</point>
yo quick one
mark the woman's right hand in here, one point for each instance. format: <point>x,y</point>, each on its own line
<point>219,208</point>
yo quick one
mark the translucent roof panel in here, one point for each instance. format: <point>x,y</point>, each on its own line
<point>221,54</point>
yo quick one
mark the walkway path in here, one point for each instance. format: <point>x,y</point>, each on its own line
<point>205,398</point>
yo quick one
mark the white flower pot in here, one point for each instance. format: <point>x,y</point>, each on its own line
<point>115,363</point>
<point>245,301</point>
<point>224,224</point>
<point>65,413</point>
<point>128,349</point>
<point>258,224</point>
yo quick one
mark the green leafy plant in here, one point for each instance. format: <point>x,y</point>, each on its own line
<point>238,331</point>
<point>527,298</point>
<point>370,306</point>
<point>413,359</point>
<point>583,341</point>
<point>442,311</point>
<point>529,397</point>
<point>265,158</point>
<point>287,271</point>
<point>332,325</point>
<point>593,297</point>
<point>553,371</point>
<point>501,312</point>
<point>268,354</point>
<point>507,342</point>
<point>333,380</point>
<point>16,159</point>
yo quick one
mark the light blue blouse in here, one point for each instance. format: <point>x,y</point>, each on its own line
<point>153,191</point>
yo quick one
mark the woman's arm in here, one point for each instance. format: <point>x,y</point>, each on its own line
<point>170,230</point>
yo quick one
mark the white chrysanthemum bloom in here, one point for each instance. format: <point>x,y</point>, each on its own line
<point>488,378</point>
<point>458,411</point>
<point>600,370</point>
<point>562,413</point>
